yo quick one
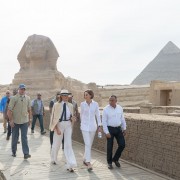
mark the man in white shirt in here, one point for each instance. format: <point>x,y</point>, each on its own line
<point>114,125</point>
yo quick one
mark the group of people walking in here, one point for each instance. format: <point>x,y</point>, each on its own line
<point>64,113</point>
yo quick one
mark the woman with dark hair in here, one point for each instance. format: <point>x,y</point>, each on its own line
<point>89,114</point>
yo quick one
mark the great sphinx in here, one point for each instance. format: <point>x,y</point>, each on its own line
<point>38,63</point>
<point>38,53</point>
<point>38,70</point>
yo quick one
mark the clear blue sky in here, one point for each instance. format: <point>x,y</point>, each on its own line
<point>102,41</point>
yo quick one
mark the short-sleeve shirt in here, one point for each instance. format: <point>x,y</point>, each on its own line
<point>19,105</point>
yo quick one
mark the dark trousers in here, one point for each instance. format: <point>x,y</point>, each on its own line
<point>117,133</point>
<point>40,117</point>
<point>9,130</point>
<point>63,142</point>
<point>51,134</point>
<point>15,136</point>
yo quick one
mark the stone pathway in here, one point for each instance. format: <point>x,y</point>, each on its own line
<point>39,166</point>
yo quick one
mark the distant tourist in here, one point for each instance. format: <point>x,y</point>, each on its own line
<point>9,129</point>
<point>3,107</point>
<point>75,106</point>
<point>37,109</point>
<point>89,113</point>
<point>114,126</point>
<point>61,123</point>
<point>7,119</point>
<point>15,91</point>
<point>19,115</point>
<point>51,104</point>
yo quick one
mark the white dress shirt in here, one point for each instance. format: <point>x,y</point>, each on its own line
<point>113,117</point>
<point>89,114</point>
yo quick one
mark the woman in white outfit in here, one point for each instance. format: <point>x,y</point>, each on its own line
<point>61,123</point>
<point>89,114</point>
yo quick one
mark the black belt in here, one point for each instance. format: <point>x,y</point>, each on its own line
<point>114,127</point>
<point>64,120</point>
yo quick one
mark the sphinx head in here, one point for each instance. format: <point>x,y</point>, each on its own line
<point>38,52</point>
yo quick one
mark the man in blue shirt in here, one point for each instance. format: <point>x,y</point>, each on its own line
<point>3,107</point>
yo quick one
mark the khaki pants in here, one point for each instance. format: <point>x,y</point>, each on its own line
<point>4,122</point>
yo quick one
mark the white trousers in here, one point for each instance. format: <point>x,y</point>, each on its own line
<point>66,128</point>
<point>88,140</point>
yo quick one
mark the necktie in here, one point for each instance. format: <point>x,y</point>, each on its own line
<point>64,111</point>
<point>63,116</point>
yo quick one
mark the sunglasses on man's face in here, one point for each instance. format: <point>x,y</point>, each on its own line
<point>112,100</point>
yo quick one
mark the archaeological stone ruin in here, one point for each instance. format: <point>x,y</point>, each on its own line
<point>150,103</point>
<point>38,70</point>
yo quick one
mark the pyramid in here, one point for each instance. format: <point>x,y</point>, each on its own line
<point>165,66</point>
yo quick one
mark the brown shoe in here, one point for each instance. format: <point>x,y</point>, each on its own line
<point>86,164</point>
<point>89,167</point>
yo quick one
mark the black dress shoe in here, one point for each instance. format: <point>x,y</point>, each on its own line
<point>44,132</point>
<point>70,170</point>
<point>7,138</point>
<point>117,164</point>
<point>13,154</point>
<point>110,166</point>
<point>26,156</point>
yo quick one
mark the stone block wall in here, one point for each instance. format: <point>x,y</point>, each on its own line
<point>127,95</point>
<point>159,109</point>
<point>131,110</point>
<point>145,109</point>
<point>152,141</point>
